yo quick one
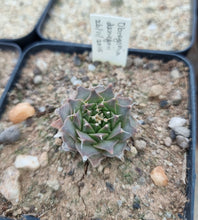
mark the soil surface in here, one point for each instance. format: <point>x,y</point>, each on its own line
<point>8,60</point>
<point>155,25</point>
<point>65,188</point>
<point>18,17</point>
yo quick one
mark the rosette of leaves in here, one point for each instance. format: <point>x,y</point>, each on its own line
<point>96,124</point>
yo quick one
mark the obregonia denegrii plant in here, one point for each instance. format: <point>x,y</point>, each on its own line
<point>96,124</point>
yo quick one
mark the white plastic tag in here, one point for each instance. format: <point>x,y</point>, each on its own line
<point>110,38</point>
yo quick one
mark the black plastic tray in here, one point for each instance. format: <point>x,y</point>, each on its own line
<point>60,47</point>
<point>32,36</point>
<point>182,52</point>
<point>15,47</point>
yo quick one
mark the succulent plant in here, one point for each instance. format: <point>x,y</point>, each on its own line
<point>96,124</point>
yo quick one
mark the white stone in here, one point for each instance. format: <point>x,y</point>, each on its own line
<point>60,169</point>
<point>91,67</point>
<point>175,74</point>
<point>27,162</point>
<point>140,144</point>
<point>182,131</point>
<point>37,79</point>
<point>54,184</point>
<point>42,65</point>
<point>155,91</point>
<point>43,159</point>
<point>133,151</point>
<point>176,122</point>
<point>182,141</point>
<point>9,185</point>
<point>75,81</point>
<point>167,141</point>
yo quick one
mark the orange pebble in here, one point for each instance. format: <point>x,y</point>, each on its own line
<point>159,177</point>
<point>21,112</point>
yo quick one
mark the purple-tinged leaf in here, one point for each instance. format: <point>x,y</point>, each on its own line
<point>77,119</point>
<point>82,93</point>
<point>107,93</point>
<point>116,131</point>
<point>64,111</point>
<point>94,97</point>
<point>124,101</point>
<point>57,124</point>
<point>123,110</point>
<point>99,88</point>
<point>107,145</point>
<point>118,150</point>
<point>95,160</point>
<point>69,129</point>
<point>114,119</point>
<point>86,150</point>
<point>67,147</point>
<point>85,138</point>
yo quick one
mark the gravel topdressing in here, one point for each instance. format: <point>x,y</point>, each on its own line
<point>18,17</point>
<point>8,60</point>
<point>156,25</point>
<point>63,185</point>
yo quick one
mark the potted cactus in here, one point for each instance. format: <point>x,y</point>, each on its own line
<point>96,124</point>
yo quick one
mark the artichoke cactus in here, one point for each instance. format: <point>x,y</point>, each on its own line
<point>96,124</point>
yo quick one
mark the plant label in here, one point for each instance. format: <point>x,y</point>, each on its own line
<point>110,38</point>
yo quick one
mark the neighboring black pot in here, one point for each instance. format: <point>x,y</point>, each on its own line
<point>13,47</point>
<point>182,52</point>
<point>32,36</point>
<point>165,56</point>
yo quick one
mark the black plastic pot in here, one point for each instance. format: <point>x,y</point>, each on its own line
<point>182,52</point>
<point>32,36</point>
<point>12,47</point>
<point>60,47</point>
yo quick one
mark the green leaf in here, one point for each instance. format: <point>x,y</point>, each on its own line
<point>82,93</point>
<point>87,128</point>
<point>110,105</point>
<point>107,94</point>
<point>94,97</point>
<point>105,129</point>
<point>99,136</point>
<point>75,105</point>
<point>107,145</point>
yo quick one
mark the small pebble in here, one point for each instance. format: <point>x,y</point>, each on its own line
<point>41,65</point>
<point>27,162</point>
<point>116,3</point>
<point>9,185</point>
<point>136,203</point>
<point>182,131</point>
<point>129,62</point>
<point>182,142</point>
<point>133,151</point>
<point>119,202</point>
<point>77,61</point>
<point>176,97</point>
<point>37,79</point>
<point>106,171</point>
<point>153,26</point>
<point>60,169</point>
<point>75,81</point>
<point>164,104</point>
<point>167,141</point>
<point>175,74</point>
<point>172,135</point>
<point>138,62</point>
<point>91,67</point>
<point>10,135</point>
<point>54,184</point>
<point>140,144</point>
<point>100,169</point>
<point>110,187</point>
<point>71,172</point>
<point>159,177</point>
<point>21,112</point>
<point>155,91</point>
<point>176,122</point>
<point>43,159</point>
